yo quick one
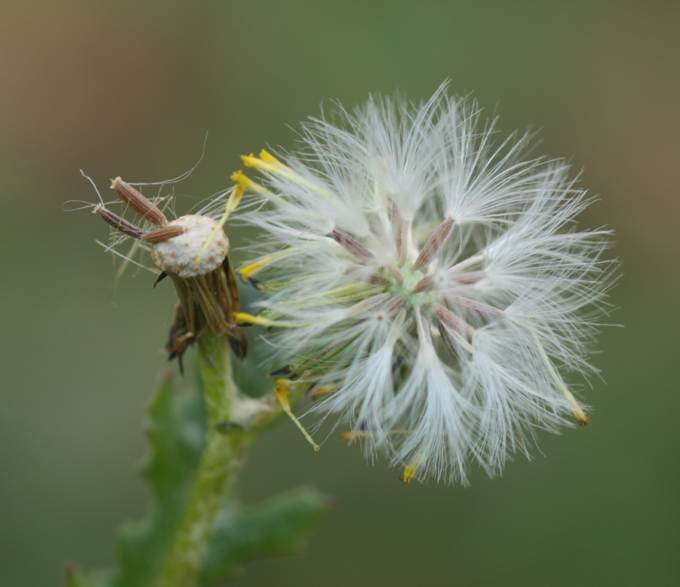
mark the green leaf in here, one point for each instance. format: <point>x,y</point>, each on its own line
<point>176,436</point>
<point>275,527</point>
<point>176,432</point>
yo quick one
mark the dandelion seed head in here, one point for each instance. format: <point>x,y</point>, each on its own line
<point>433,277</point>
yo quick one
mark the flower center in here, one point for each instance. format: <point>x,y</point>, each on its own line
<point>410,285</point>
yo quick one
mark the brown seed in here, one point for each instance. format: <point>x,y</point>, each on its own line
<point>350,244</point>
<point>118,222</point>
<point>163,234</point>
<point>434,243</point>
<point>454,322</point>
<point>425,284</point>
<point>400,229</point>
<point>138,202</point>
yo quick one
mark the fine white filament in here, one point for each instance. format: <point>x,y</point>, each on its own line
<point>431,278</point>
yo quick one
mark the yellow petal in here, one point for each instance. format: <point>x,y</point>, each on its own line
<point>282,395</point>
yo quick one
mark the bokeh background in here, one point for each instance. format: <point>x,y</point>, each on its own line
<point>130,88</point>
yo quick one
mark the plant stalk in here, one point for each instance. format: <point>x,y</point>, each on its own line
<point>216,472</point>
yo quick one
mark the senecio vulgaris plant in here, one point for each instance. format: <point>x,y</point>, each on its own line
<point>420,281</point>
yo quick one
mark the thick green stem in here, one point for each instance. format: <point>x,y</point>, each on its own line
<point>215,474</point>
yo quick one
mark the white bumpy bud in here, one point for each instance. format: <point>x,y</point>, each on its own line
<point>187,255</point>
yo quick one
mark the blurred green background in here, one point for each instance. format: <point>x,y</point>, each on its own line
<point>130,88</point>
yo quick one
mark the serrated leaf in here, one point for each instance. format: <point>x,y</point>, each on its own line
<point>176,433</point>
<point>176,437</point>
<point>276,527</point>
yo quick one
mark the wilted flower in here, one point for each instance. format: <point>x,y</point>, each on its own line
<point>192,250</point>
<point>427,281</point>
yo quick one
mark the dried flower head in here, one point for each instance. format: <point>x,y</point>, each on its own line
<point>193,251</point>
<point>427,281</point>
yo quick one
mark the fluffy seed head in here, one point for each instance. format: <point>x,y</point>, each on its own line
<point>430,279</point>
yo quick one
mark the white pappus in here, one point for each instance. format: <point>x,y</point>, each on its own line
<point>427,281</point>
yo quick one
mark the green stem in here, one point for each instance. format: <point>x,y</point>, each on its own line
<point>215,474</point>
